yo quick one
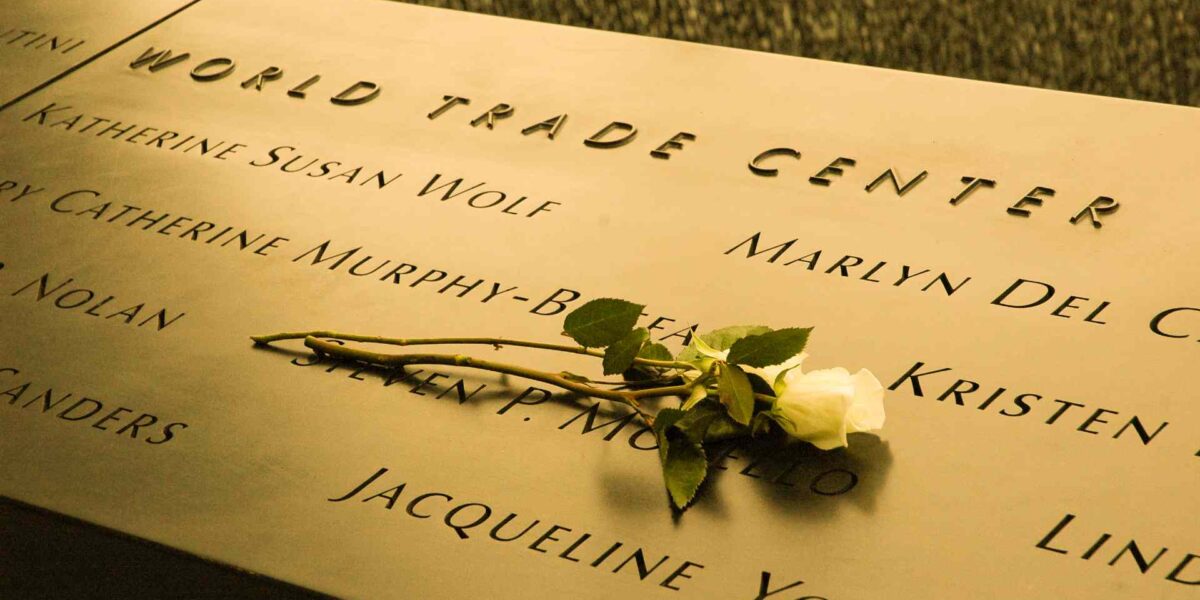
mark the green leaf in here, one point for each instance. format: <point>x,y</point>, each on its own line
<point>760,385</point>
<point>684,469</point>
<point>666,418</point>
<point>769,348</point>
<point>602,322</point>
<point>620,354</point>
<point>709,421</point>
<point>699,392</point>
<point>724,428</point>
<point>722,339</point>
<point>696,421</point>
<point>637,375</point>
<point>684,465</point>
<point>761,423</point>
<point>683,461</point>
<point>655,351</point>
<point>735,392</point>
<point>663,421</point>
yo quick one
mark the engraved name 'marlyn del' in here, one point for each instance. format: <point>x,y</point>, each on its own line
<point>616,134</point>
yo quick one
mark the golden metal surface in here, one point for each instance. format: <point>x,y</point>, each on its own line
<point>39,40</point>
<point>952,501</point>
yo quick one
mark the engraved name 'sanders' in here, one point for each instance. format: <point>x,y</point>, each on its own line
<point>21,392</point>
<point>619,133</point>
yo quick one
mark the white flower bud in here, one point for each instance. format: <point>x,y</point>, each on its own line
<point>821,407</point>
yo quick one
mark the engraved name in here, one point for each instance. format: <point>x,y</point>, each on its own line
<point>1072,539</point>
<point>39,40</point>
<point>70,407</point>
<point>475,520</point>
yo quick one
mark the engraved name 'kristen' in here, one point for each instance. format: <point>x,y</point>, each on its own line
<point>1001,400</point>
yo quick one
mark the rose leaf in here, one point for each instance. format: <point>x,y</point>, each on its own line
<point>620,354</point>
<point>767,349</point>
<point>735,392</point>
<point>601,322</point>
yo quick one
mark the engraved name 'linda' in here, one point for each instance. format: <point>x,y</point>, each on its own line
<point>616,134</point>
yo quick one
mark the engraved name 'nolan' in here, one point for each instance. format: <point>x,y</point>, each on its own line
<point>67,294</point>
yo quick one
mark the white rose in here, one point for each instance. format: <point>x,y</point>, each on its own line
<point>774,375</point>
<point>821,407</point>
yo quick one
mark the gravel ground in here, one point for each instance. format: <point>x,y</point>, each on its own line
<point>1142,49</point>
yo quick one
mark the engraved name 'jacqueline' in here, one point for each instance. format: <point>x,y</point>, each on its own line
<point>474,520</point>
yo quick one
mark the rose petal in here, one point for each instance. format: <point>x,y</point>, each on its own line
<point>866,412</point>
<point>815,413</point>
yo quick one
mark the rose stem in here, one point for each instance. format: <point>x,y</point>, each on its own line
<point>399,360</point>
<point>488,341</point>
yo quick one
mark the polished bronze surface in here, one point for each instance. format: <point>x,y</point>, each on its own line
<point>293,165</point>
<point>40,41</point>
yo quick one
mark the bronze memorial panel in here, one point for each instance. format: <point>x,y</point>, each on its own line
<point>1018,266</point>
<point>40,41</point>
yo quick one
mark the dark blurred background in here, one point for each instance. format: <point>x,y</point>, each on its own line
<point>1140,49</point>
